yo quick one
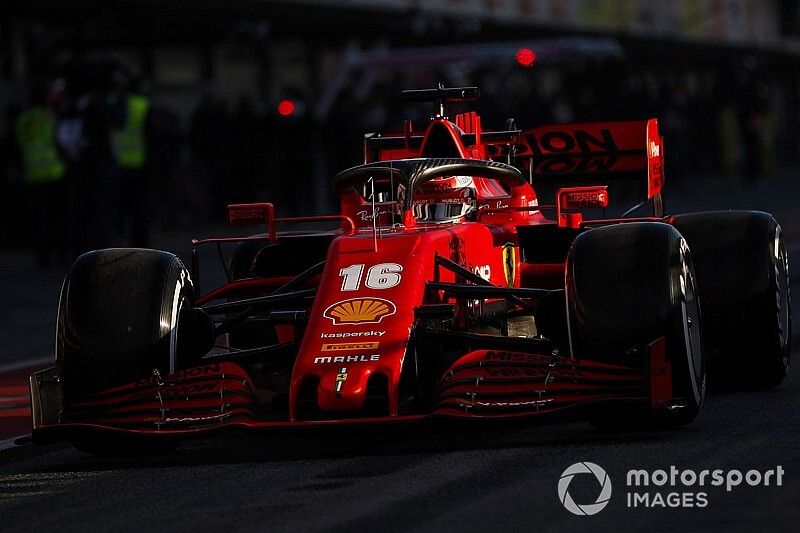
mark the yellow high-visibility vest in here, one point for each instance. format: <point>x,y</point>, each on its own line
<point>131,149</point>
<point>36,135</point>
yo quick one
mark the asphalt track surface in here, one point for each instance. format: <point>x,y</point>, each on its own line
<point>469,479</point>
<point>394,481</point>
<point>462,479</point>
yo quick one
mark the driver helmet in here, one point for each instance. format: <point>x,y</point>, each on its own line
<point>445,199</point>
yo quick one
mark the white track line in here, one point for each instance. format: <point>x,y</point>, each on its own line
<point>10,443</point>
<point>27,363</point>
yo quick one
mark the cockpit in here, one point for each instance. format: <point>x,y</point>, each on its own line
<point>426,190</point>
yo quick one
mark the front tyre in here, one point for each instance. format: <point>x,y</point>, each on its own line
<point>627,286</point>
<point>118,318</point>
<point>118,322</point>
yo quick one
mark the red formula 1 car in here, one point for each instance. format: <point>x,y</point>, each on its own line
<point>445,288</point>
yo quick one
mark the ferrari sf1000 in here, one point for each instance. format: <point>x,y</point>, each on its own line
<point>447,287</point>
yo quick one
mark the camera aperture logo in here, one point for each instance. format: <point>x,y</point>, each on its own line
<point>584,509</point>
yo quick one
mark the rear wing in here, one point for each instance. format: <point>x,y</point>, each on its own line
<point>580,152</point>
<point>627,156</point>
<point>594,152</point>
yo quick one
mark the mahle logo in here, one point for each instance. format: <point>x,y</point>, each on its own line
<point>582,469</point>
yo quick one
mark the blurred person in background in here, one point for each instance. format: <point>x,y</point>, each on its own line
<point>42,175</point>
<point>245,146</point>
<point>751,108</point>
<point>676,124</point>
<point>129,136</point>
<point>85,126</point>
<point>163,147</point>
<point>70,143</point>
<point>98,164</point>
<point>10,181</point>
<point>209,140</point>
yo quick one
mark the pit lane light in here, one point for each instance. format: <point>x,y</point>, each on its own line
<point>526,57</point>
<point>286,108</point>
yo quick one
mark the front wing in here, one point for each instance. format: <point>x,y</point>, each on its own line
<point>481,385</point>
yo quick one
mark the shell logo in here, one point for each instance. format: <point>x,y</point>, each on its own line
<point>359,311</point>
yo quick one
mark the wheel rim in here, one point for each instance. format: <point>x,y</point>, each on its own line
<point>782,297</point>
<point>177,304</point>
<point>691,330</point>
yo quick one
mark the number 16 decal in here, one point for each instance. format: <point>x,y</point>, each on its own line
<point>380,276</point>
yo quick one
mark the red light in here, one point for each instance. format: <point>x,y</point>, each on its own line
<point>286,108</point>
<point>526,57</point>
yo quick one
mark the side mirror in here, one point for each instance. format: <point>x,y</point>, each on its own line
<point>253,214</point>
<point>571,198</point>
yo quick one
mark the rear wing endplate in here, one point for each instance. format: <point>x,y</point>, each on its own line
<point>584,150</point>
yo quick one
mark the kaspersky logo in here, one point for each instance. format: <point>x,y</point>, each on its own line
<point>359,311</point>
<point>584,469</point>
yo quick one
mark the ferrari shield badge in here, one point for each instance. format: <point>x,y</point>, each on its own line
<point>509,263</point>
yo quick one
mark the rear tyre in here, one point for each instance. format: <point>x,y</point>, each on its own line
<point>628,285</point>
<point>118,322</point>
<point>743,279</point>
